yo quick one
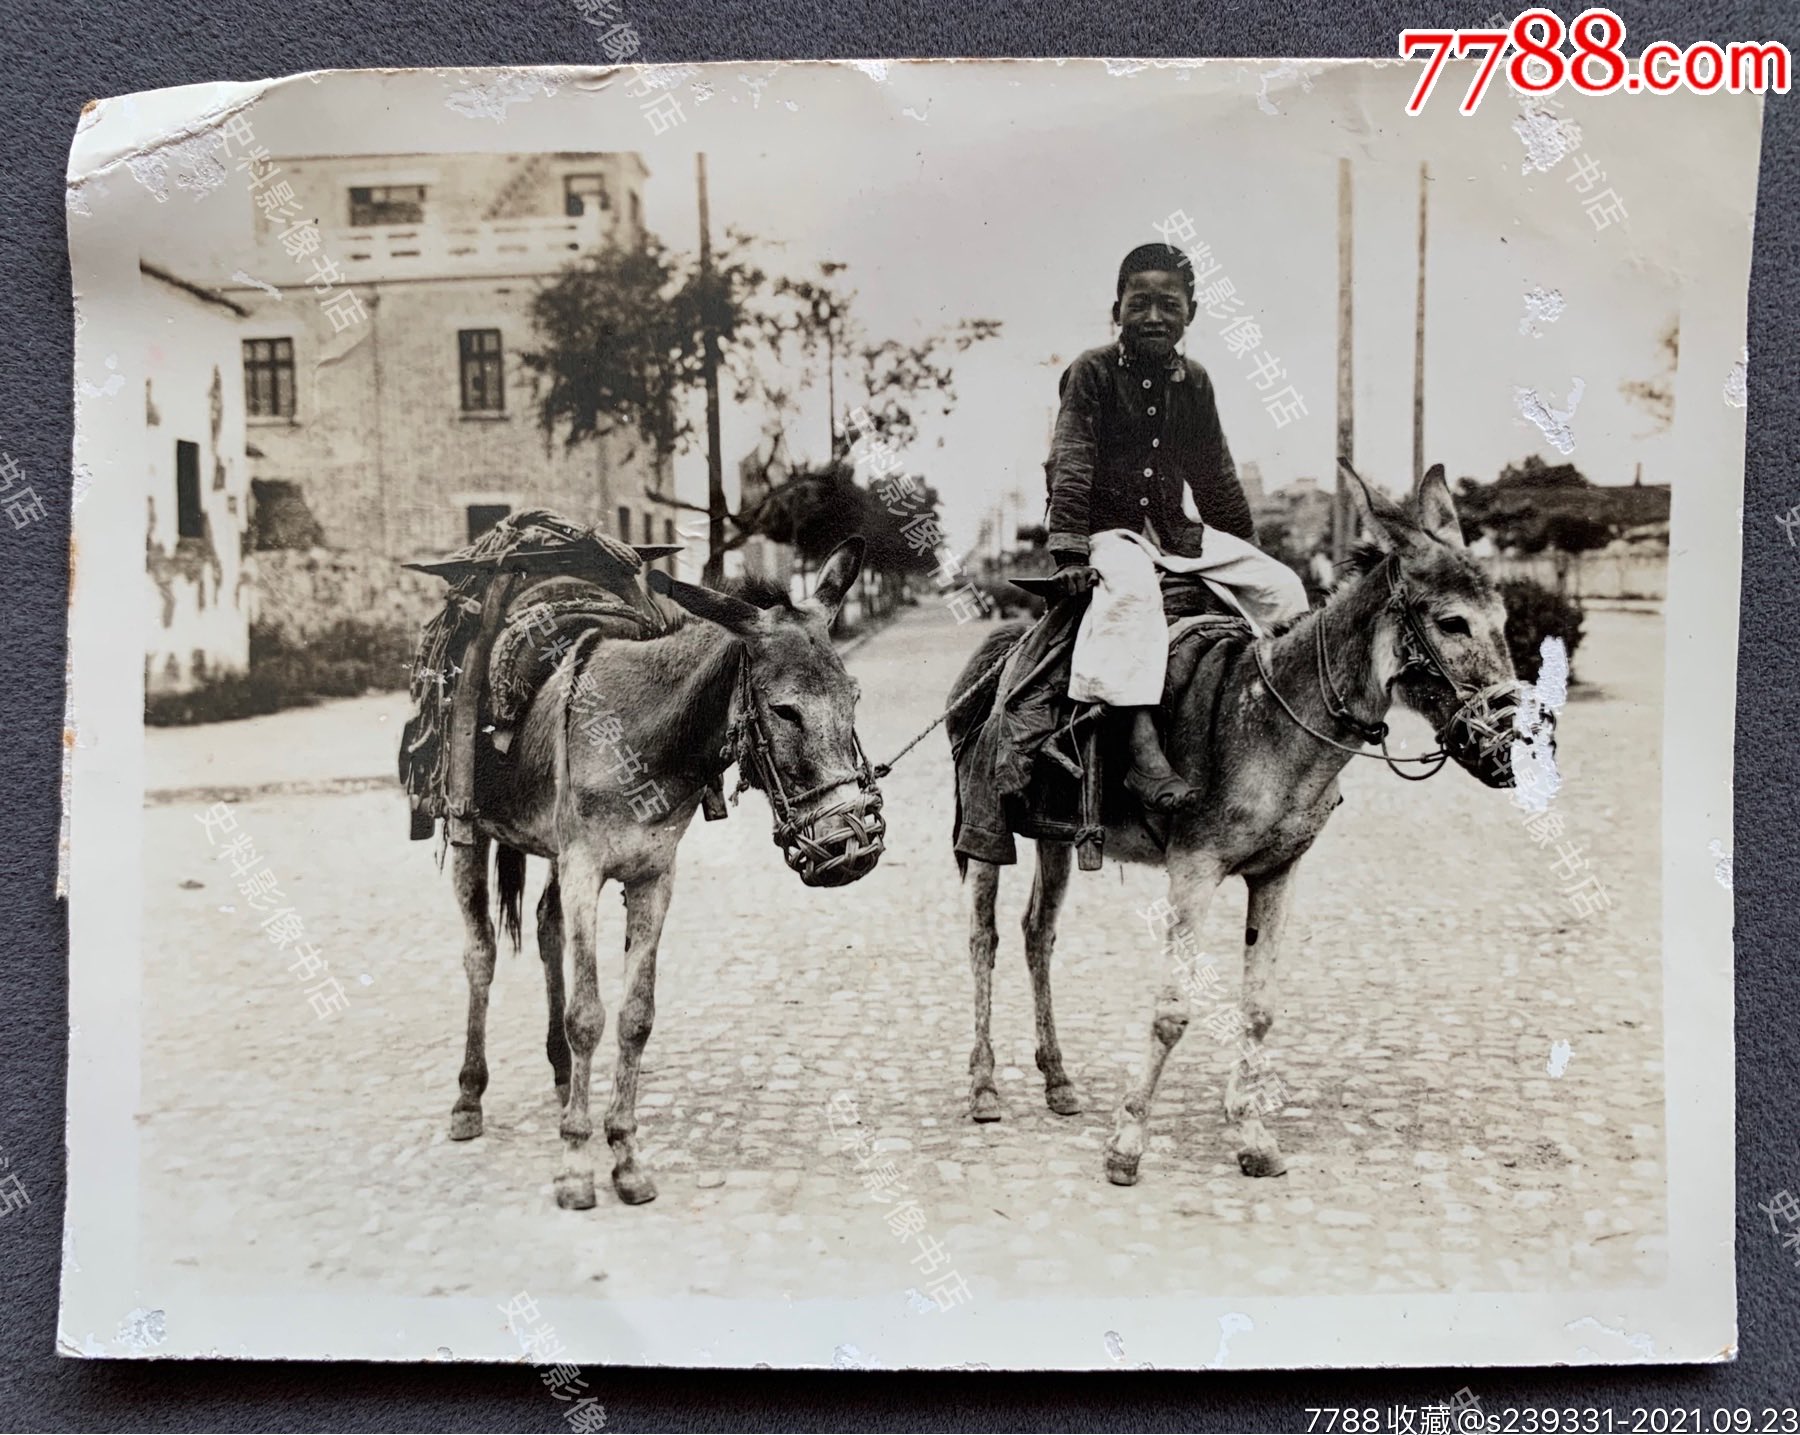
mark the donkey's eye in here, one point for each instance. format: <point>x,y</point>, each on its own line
<point>787,712</point>
<point>1458,626</point>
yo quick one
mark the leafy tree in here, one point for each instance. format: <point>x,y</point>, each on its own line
<point>621,344</point>
<point>818,317</point>
<point>1518,507</point>
<point>896,376</point>
<point>1533,472</point>
<point>1575,532</point>
<point>818,508</point>
<point>621,335</point>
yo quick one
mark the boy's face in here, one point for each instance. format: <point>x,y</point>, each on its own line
<point>1153,313</point>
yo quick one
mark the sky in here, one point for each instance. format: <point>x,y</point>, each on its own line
<point>1011,191</point>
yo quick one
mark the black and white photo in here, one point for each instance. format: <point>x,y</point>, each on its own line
<point>1034,714</point>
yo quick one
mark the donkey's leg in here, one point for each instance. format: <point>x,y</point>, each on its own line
<point>984,937</point>
<point>1193,880</point>
<point>646,904</point>
<point>468,874</point>
<point>550,948</point>
<point>579,880</point>
<point>1253,1090</point>
<point>1047,891</point>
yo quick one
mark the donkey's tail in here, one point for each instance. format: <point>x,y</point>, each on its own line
<point>566,806</point>
<point>509,870</point>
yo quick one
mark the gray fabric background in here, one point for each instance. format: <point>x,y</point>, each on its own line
<point>59,55</point>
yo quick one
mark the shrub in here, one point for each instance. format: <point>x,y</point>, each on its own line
<point>1533,613</point>
<point>347,660</point>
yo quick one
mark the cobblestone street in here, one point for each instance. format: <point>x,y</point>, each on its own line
<point>1434,1142</point>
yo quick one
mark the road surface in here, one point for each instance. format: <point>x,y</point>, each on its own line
<point>1439,1136</point>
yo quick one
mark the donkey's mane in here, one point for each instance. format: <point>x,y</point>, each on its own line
<point>762,592</point>
<point>1365,557</point>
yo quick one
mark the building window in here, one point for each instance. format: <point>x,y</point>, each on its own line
<point>585,194</point>
<point>668,530</point>
<point>649,529</point>
<point>387,204</point>
<point>624,524</point>
<point>269,378</point>
<point>637,214</point>
<point>482,388</point>
<point>190,519</point>
<point>483,516</point>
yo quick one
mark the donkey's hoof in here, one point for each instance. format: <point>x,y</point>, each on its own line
<point>634,1185</point>
<point>1121,1170</point>
<point>984,1105</point>
<point>465,1125</point>
<point>1254,1161</point>
<point>575,1191</point>
<point>1064,1100</point>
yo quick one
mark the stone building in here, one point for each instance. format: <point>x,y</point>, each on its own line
<point>385,393</point>
<point>198,495</point>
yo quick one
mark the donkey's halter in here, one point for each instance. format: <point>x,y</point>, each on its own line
<point>1416,650</point>
<point>834,845</point>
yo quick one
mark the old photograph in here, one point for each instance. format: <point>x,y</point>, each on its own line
<point>994,714</point>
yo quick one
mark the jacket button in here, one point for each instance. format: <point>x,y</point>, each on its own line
<point>1155,443</point>
<point>1146,383</point>
<point>1151,410</point>
<point>1149,473</point>
<point>1143,503</point>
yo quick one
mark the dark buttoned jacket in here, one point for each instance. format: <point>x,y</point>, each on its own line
<point>1129,437</point>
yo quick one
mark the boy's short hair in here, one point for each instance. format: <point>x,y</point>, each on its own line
<point>1158,259</point>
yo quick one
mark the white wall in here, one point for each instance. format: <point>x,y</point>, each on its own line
<point>195,621</point>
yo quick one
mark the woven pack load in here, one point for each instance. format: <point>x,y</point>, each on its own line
<point>518,597</point>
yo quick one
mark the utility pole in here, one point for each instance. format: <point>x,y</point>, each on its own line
<point>1419,344</point>
<point>831,379</point>
<point>828,312</point>
<point>1346,376</point>
<point>715,465</point>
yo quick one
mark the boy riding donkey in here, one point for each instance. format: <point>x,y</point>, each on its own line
<point>1137,427</point>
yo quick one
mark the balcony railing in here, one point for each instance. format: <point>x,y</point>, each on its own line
<point>495,246</point>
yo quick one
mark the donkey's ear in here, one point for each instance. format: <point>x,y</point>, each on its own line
<point>1434,510</point>
<point>730,612</point>
<point>837,574</point>
<point>1381,518</point>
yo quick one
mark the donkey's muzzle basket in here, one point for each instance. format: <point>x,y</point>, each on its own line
<point>839,844</point>
<point>1481,734</point>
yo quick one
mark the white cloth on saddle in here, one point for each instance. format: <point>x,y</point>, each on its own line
<point>1121,652</point>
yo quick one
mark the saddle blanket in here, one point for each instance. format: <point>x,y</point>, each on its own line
<point>496,638</point>
<point>1033,762</point>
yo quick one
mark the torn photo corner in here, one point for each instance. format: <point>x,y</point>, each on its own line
<point>1337,445</point>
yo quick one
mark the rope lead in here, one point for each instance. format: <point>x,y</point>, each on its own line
<point>882,769</point>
